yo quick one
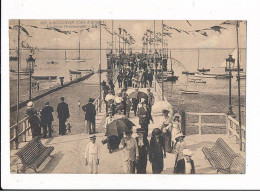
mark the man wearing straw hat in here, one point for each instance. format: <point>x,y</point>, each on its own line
<point>92,155</point>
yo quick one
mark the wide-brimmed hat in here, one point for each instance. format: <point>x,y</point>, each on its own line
<point>157,131</point>
<point>30,104</point>
<point>140,130</point>
<point>179,135</point>
<point>187,152</point>
<point>92,137</point>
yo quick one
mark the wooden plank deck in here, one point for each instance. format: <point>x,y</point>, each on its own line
<point>68,155</point>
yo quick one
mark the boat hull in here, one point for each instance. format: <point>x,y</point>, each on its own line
<point>74,72</point>
<point>233,69</point>
<point>203,70</point>
<point>44,77</point>
<point>75,60</point>
<point>189,92</point>
<point>205,75</point>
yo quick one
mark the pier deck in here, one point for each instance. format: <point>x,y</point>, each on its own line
<point>68,154</point>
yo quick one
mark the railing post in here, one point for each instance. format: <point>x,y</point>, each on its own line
<point>24,131</point>
<point>28,125</point>
<point>227,126</point>
<point>200,124</point>
<point>16,136</point>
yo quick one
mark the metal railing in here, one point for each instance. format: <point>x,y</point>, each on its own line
<point>18,133</point>
<point>232,126</point>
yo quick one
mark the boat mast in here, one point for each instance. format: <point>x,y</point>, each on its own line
<point>79,44</point>
<point>154,54</point>
<point>171,59</point>
<point>100,66</point>
<point>238,81</point>
<point>198,59</point>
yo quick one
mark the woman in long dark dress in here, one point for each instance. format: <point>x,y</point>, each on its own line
<point>157,151</point>
<point>143,148</point>
<point>33,120</point>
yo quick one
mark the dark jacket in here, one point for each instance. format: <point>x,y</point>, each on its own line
<point>90,112</point>
<point>63,111</point>
<point>46,114</point>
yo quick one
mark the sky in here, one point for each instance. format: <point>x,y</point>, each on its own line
<point>50,39</point>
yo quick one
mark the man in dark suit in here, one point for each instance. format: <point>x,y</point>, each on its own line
<point>90,116</point>
<point>63,115</point>
<point>46,119</point>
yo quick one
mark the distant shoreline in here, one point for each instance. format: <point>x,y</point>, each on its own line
<point>68,49</point>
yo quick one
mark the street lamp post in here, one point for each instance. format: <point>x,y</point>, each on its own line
<point>230,60</point>
<point>30,66</point>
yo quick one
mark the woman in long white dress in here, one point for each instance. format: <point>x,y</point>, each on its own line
<point>176,127</point>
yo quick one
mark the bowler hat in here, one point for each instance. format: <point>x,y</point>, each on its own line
<point>92,137</point>
<point>140,130</point>
<point>128,132</point>
<point>91,100</point>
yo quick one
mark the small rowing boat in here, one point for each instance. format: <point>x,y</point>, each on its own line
<point>203,70</point>
<point>189,92</point>
<point>204,75</point>
<point>74,72</point>
<point>45,77</point>
<point>188,73</point>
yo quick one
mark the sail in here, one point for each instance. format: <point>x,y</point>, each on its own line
<point>234,56</point>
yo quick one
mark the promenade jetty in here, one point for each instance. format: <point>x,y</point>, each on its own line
<point>68,154</point>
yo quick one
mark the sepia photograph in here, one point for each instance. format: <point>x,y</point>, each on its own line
<point>127,96</point>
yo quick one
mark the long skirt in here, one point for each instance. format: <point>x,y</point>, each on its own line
<point>168,141</point>
<point>128,167</point>
<point>180,167</point>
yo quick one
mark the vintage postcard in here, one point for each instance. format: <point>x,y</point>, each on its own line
<point>127,96</point>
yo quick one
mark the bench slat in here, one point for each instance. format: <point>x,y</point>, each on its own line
<point>223,158</point>
<point>34,153</point>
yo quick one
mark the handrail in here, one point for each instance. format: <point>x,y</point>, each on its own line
<point>231,124</point>
<point>18,133</point>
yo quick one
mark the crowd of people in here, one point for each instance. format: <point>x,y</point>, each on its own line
<point>166,138</point>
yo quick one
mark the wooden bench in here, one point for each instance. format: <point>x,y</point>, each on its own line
<point>33,154</point>
<point>224,159</point>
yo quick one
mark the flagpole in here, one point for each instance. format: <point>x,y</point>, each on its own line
<point>162,64</point>
<point>238,81</point>
<point>100,66</point>
<point>154,55</point>
<point>112,49</point>
<point>18,84</point>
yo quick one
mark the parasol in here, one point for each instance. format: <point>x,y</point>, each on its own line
<point>138,95</point>
<point>116,128</point>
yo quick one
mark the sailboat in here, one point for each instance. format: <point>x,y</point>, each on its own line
<point>75,60</point>
<point>203,69</point>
